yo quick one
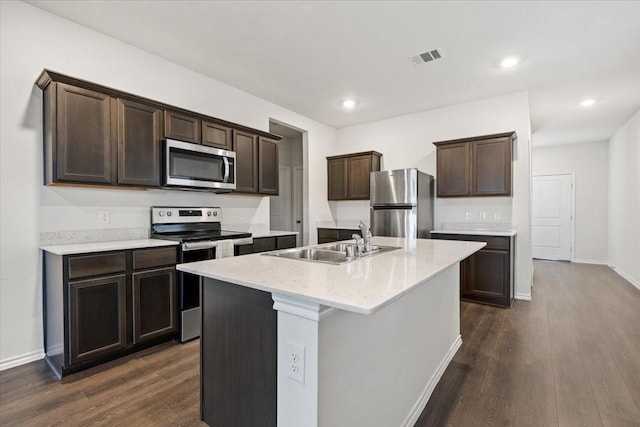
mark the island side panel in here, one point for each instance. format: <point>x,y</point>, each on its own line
<point>380,370</point>
<point>238,356</point>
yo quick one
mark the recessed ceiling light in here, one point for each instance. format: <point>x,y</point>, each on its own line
<point>588,102</point>
<point>349,104</point>
<point>510,62</point>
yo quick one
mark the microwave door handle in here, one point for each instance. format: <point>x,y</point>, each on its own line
<point>226,169</point>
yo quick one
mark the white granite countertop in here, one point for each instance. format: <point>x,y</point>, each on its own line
<point>80,248</point>
<point>506,233</point>
<point>273,233</point>
<point>361,286</point>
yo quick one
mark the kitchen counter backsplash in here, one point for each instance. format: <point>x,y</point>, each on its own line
<point>90,236</point>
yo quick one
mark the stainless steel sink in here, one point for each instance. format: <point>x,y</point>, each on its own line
<point>335,254</point>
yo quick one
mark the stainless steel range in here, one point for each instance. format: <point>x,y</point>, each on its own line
<point>198,229</point>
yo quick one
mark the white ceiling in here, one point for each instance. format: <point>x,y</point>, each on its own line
<point>308,56</point>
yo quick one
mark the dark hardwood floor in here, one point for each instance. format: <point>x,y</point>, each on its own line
<point>571,357</point>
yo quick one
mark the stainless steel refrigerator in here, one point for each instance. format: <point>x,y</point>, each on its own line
<point>402,203</point>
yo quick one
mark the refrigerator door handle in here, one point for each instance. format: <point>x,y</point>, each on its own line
<point>406,206</point>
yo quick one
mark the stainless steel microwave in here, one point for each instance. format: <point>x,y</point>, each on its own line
<point>198,167</point>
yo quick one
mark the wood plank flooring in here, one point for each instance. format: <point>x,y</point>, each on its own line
<point>571,357</point>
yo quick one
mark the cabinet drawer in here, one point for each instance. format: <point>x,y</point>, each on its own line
<point>328,234</point>
<point>286,242</point>
<point>147,258</point>
<point>264,244</point>
<point>493,242</point>
<point>95,265</point>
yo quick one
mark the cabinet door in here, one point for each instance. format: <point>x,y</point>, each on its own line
<point>155,308</point>
<point>97,317</point>
<point>488,277</point>
<point>359,171</point>
<point>337,178</point>
<point>327,235</point>
<point>491,167</point>
<point>139,135</point>
<point>216,135</point>
<point>286,242</point>
<point>267,166</point>
<point>85,136</point>
<point>246,147</point>
<point>264,244</point>
<point>181,126</point>
<point>453,174</point>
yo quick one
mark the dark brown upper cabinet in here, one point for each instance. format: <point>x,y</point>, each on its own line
<point>348,175</point>
<point>475,167</point>
<point>256,163</point>
<point>181,126</point>
<point>216,135</point>
<point>246,147</point>
<point>80,135</point>
<point>267,166</point>
<point>139,139</point>
<point>97,135</point>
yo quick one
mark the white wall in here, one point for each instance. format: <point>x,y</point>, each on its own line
<point>624,200</point>
<point>590,164</point>
<point>406,142</point>
<point>31,40</point>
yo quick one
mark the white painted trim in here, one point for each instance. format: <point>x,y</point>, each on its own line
<point>12,362</point>
<point>523,297</point>
<point>590,261</point>
<point>625,276</point>
<point>419,406</point>
<point>297,307</point>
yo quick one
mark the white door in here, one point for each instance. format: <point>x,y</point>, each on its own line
<point>280,205</point>
<point>552,222</point>
<point>298,177</point>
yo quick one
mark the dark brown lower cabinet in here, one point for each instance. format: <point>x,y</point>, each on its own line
<point>154,304</point>
<point>238,356</point>
<point>97,316</point>
<point>487,276</point>
<point>100,306</point>
<point>328,235</point>
<point>265,244</point>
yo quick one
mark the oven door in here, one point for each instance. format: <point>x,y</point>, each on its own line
<point>196,166</point>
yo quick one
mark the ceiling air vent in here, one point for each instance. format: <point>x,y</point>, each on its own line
<point>429,56</point>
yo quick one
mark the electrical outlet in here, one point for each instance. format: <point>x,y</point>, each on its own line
<point>468,216</point>
<point>483,215</point>
<point>497,216</point>
<point>295,361</point>
<point>104,217</point>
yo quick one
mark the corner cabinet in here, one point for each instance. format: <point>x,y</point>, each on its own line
<point>487,276</point>
<point>348,176</point>
<point>102,305</point>
<point>475,167</point>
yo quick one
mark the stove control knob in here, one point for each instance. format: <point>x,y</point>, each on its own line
<point>168,213</point>
<point>209,213</point>
<point>161,213</point>
<point>215,213</point>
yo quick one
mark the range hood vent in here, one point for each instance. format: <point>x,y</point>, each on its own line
<point>428,56</point>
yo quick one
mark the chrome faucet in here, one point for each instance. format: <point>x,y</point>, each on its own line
<point>366,236</point>
<point>359,244</point>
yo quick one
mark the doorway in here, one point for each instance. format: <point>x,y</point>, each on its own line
<point>286,209</point>
<point>552,219</point>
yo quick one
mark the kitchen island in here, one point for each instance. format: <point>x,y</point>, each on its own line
<point>297,343</point>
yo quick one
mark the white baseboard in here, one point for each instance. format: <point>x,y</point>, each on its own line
<point>625,276</point>
<point>12,362</point>
<point>419,406</point>
<point>590,261</point>
<point>524,297</point>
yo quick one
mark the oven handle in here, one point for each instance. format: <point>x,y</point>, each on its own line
<point>193,246</point>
